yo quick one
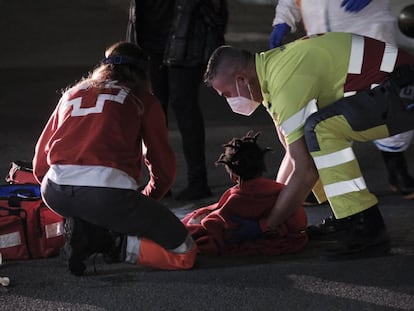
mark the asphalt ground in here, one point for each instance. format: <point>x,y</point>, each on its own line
<point>50,44</point>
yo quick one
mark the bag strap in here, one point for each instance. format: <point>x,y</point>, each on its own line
<point>12,211</point>
<point>38,220</point>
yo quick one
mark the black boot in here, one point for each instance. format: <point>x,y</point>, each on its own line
<point>117,251</point>
<point>84,239</point>
<point>329,229</point>
<point>75,250</point>
<point>366,236</point>
<point>398,176</point>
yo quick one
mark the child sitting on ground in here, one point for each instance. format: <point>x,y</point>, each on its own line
<point>252,197</point>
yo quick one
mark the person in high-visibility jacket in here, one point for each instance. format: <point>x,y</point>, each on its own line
<point>364,17</point>
<point>303,85</point>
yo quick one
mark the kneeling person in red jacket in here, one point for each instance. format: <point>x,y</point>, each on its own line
<point>89,160</point>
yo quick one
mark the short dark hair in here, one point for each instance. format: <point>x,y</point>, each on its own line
<point>244,156</point>
<point>226,58</point>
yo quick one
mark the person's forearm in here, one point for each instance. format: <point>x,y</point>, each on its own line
<point>291,197</point>
<point>285,170</point>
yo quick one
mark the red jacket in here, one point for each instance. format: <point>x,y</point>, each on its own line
<point>252,200</point>
<point>106,127</point>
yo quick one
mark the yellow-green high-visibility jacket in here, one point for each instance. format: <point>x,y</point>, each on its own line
<point>303,76</point>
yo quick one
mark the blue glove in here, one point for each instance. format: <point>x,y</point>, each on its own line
<point>354,6</point>
<point>278,32</point>
<point>248,230</point>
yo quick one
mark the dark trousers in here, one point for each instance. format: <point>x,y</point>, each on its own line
<point>178,88</point>
<point>120,210</point>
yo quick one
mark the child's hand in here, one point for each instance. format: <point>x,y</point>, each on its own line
<point>246,230</point>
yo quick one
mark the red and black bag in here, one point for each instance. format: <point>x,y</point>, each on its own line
<point>28,228</point>
<point>21,172</point>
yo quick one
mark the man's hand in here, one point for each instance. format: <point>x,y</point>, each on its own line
<point>277,34</point>
<point>354,6</point>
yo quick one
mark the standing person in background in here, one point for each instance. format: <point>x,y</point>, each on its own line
<point>364,17</point>
<point>89,160</point>
<point>179,37</point>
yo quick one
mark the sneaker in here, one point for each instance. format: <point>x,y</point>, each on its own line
<point>398,176</point>
<point>83,239</point>
<point>192,193</point>
<point>366,236</point>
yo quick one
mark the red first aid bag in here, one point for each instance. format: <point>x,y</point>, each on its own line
<point>28,228</point>
<point>13,244</point>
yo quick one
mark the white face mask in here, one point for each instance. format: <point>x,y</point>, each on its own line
<point>243,105</point>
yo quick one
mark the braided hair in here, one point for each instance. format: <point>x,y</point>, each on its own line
<point>244,157</point>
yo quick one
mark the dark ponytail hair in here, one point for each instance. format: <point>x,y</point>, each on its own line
<point>124,62</point>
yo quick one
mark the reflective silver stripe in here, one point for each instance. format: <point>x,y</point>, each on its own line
<point>344,187</point>
<point>185,246</point>
<point>132,249</point>
<point>389,58</point>
<point>299,118</point>
<point>334,158</point>
<point>10,239</point>
<point>54,230</point>
<point>350,93</point>
<point>357,55</point>
<point>347,94</point>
